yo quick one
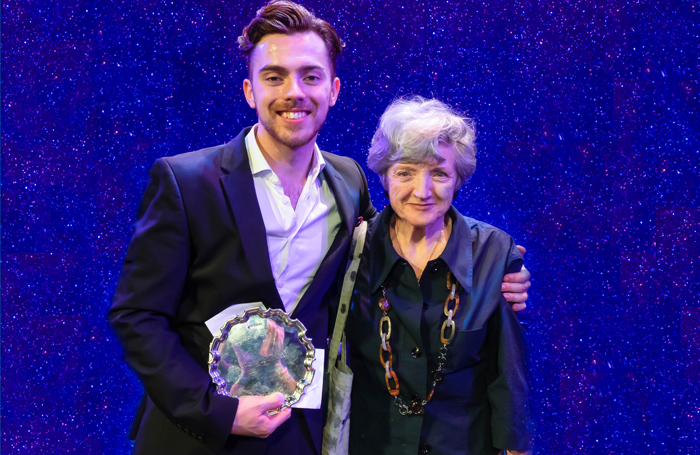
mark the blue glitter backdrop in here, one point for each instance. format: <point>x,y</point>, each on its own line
<point>589,144</point>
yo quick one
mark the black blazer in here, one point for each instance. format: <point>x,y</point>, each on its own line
<point>198,247</point>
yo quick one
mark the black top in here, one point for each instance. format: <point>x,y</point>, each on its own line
<point>481,405</point>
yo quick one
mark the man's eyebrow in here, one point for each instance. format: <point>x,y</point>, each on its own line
<point>307,68</point>
<point>274,69</point>
<point>283,70</point>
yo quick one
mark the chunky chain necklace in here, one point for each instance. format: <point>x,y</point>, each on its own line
<point>417,406</point>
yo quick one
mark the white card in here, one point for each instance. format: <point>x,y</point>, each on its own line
<point>313,393</point>
<point>215,323</point>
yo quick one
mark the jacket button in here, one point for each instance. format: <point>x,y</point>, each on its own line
<point>416,352</point>
<point>425,306</point>
<point>424,448</point>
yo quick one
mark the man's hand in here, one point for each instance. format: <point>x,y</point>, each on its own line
<point>515,286</point>
<point>252,418</point>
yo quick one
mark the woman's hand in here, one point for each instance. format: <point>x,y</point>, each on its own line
<point>515,286</point>
<point>519,452</point>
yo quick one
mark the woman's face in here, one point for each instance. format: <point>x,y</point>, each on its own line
<point>421,194</point>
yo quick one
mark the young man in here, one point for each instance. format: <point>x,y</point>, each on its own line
<point>266,217</point>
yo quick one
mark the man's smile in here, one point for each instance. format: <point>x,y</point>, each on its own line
<point>293,115</point>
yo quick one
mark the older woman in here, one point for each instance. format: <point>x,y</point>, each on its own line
<point>435,348</point>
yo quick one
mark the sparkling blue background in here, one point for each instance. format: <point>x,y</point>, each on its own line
<point>589,144</point>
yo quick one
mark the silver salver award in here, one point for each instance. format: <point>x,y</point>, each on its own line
<point>262,352</point>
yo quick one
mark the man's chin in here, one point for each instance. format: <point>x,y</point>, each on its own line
<point>292,136</point>
<point>295,142</point>
<point>294,139</point>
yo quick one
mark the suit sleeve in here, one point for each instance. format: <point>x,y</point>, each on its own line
<point>367,210</point>
<point>507,385</point>
<point>514,261</point>
<point>145,307</point>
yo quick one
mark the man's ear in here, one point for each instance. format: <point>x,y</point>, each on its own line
<point>248,92</point>
<point>335,89</point>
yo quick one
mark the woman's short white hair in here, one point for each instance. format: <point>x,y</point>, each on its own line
<point>410,130</point>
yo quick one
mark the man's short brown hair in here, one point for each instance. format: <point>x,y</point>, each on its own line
<point>286,18</point>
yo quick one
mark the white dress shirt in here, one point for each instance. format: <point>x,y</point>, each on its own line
<point>297,240</point>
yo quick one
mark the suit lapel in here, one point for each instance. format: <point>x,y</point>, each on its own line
<point>237,183</point>
<point>348,211</point>
<point>329,266</point>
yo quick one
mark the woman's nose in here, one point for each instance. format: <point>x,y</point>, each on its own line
<point>424,186</point>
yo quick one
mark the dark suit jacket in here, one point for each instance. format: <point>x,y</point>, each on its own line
<point>198,247</point>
